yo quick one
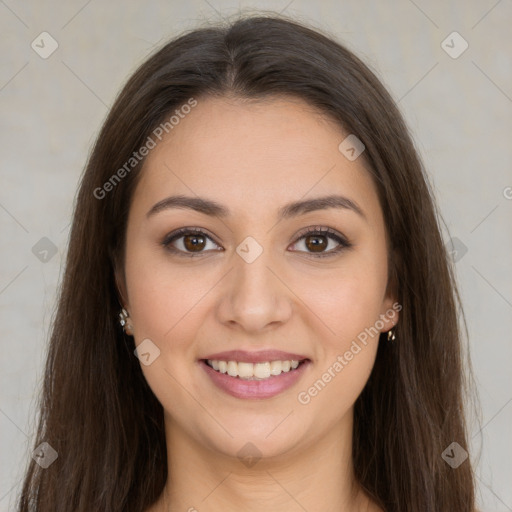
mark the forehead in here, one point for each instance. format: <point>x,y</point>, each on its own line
<point>254,157</point>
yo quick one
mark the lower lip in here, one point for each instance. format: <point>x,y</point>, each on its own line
<point>256,389</point>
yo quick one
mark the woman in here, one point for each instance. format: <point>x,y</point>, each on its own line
<point>256,214</point>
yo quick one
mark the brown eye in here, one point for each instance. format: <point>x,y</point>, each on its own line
<point>321,242</point>
<point>194,242</point>
<point>316,243</point>
<point>188,242</point>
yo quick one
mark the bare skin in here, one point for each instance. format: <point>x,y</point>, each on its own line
<point>253,158</point>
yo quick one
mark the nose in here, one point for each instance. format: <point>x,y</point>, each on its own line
<point>255,297</point>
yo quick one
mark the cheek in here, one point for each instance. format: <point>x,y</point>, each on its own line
<point>167,309</point>
<point>150,282</point>
<point>346,300</point>
<point>349,347</point>
<point>168,301</point>
<point>346,351</point>
<point>160,297</point>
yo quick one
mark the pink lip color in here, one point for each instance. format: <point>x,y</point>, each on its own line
<point>255,389</point>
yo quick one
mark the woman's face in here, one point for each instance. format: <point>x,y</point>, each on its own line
<point>254,279</point>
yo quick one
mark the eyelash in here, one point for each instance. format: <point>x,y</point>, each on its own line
<point>312,231</point>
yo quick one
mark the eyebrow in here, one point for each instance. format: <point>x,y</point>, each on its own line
<point>294,209</point>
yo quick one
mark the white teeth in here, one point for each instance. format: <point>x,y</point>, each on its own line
<point>232,368</point>
<point>245,370</point>
<point>253,371</point>
<point>262,370</point>
<point>275,367</point>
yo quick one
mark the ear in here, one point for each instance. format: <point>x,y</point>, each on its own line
<point>122,296</point>
<point>391,306</point>
<point>389,312</point>
<point>121,286</point>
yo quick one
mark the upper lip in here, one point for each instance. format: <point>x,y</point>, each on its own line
<point>261,356</point>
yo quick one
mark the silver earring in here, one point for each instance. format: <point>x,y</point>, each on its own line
<point>391,335</point>
<point>123,320</point>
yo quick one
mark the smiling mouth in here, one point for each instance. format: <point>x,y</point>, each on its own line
<point>254,371</point>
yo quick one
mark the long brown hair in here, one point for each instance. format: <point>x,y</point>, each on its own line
<point>96,409</point>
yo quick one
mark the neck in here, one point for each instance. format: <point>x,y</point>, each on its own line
<point>318,475</point>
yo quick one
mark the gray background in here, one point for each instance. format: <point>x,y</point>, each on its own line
<point>459,111</point>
